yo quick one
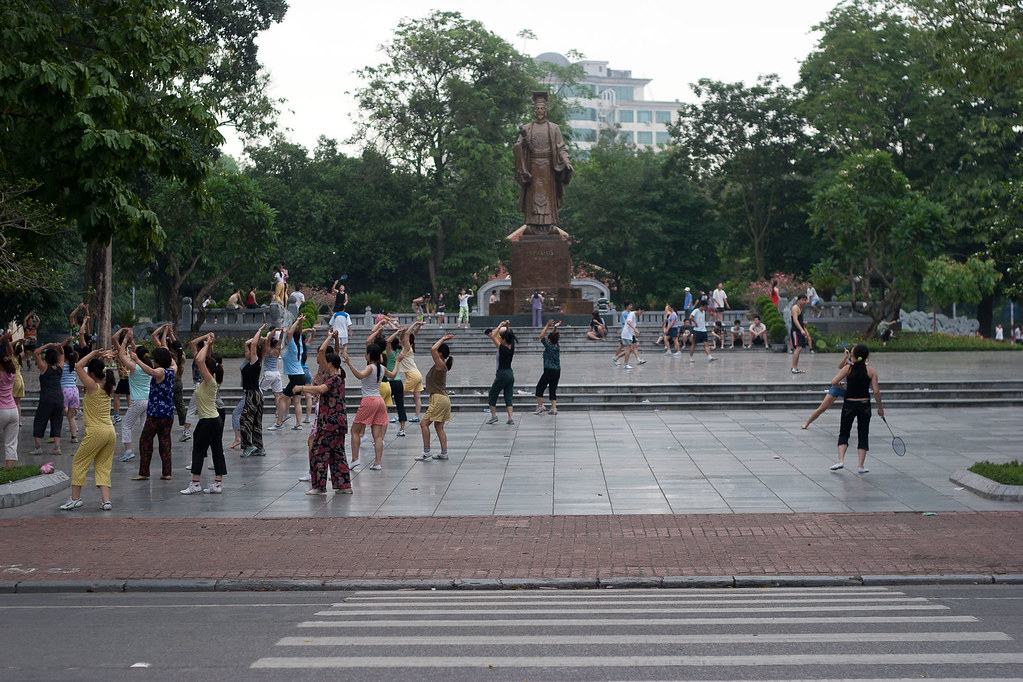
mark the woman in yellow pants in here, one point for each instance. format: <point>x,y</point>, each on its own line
<point>97,448</point>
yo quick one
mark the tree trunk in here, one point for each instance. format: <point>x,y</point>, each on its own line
<point>99,272</point>
<point>985,315</point>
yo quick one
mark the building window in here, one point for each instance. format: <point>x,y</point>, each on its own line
<point>581,90</point>
<point>622,93</point>
<point>662,117</point>
<point>663,138</point>
<point>584,134</point>
<point>644,137</point>
<point>625,115</point>
<point>585,114</point>
<point>644,116</point>
<point>625,136</point>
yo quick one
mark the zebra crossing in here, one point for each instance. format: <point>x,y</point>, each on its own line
<point>778,633</point>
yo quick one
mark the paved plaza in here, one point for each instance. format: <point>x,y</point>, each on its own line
<point>613,462</point>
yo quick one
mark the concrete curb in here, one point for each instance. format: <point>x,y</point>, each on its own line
<point>496,584</point>
<point>31,489</point>
<point>985,487</point>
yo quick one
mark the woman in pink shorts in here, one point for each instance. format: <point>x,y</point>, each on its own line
<point>372,411</point>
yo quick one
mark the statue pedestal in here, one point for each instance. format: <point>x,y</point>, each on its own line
<point>541,261</point>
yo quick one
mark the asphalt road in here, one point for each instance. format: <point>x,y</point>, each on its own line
<point>700,634</point>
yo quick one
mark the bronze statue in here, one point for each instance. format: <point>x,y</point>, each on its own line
<point>542,168</point>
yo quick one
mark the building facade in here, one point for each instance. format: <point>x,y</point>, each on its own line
<point>606,98</point>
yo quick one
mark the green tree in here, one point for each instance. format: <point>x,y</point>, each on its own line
<point>332,209</point>
<point>91,97</point>
<point>743,144</point>
<point>883,231</point>
<point>638,222</point>
<point>946,281</point>
<point>444,109</point>
<point>234,228</point>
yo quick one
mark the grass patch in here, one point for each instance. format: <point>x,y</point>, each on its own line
<point>17,473</point>
<point>916,342</point>
<point>1009,473</point>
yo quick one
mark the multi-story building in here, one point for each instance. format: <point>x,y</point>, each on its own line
<point>609,97</point>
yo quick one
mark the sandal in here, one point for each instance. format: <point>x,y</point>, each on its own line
<point>140,478</point>
<point>165,478</point>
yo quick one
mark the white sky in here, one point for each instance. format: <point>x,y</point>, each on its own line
<point>313,54</point>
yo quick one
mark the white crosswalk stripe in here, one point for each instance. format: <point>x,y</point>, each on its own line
<point>843,633</point>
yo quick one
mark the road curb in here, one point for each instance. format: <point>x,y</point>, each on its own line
<point>497,584</point>
<point>31,489</point>
<point>985,487</point>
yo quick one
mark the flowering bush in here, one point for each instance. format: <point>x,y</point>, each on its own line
<point>790,285</point>
<point>321,296</point>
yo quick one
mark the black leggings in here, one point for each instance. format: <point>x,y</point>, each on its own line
<point>550,377</point>
<point>208,433</point>
<point>504,382</point>
<point>860,411</point>
<point>398,398</point>
<point>47,412</point>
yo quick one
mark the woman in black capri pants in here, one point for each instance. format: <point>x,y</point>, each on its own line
<point>861,380</point>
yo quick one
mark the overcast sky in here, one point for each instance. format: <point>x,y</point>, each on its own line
<point>313,53</point>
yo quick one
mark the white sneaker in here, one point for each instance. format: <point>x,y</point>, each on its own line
<point>355,463</point>
<point>441,455</point>
<point>275,427</point>
<point>216,489</point>
<point>862,470</point>
<point>836,467</point>
<point>678,354</point>
<point>628,366</point>
<point>414,420</point>
<point>401,433</point>
<point>692,359</point>
<point>306,477</point>
<point>540,410</point>
<point>423,456</point>
<point>106,506</point>
<point>640,362</point>
<point>711,358</point>
<point>186,435</point>
<point>71,503</point>
<point>375,467</point>
<point>392,420</point>
<point>126,456</point>
<point>193,488</point>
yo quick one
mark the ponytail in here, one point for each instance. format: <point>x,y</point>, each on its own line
<point>860,353</point>
<point>98,371</point>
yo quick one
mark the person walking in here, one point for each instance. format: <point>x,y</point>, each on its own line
<point>327,451</point>
<point>438,412</point>
<point>97,447</point>
<point>138,387</point>
<point>699,318</point>
<point>372,410</point>
<point>799,336</point>
<point>551,367</point>
<point>50,409</point>
<point>209,431</point>
<point>671,332</point>
<point>504,381</point>
<point>861,379</point>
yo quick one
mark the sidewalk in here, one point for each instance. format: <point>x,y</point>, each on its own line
<point>523,547</point>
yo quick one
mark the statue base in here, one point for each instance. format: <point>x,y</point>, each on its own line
<point>541,261</point>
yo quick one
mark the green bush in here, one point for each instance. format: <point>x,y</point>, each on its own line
<point>918,342</point>
<point>1009,473</point>
<point>776,332</point>
<point>357,303</point>
<point>311,313</point>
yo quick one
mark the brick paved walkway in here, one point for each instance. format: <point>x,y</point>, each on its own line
<point>431,548</point>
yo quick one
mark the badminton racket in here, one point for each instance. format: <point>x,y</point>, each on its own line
<point>898,445</point>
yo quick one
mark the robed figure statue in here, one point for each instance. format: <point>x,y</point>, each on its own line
<point>542,168</point>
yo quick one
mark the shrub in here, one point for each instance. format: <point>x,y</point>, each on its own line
<point>790,284</point>
<point>919,342</point>
<point>18,473</point>
<point>776,332</point>
<point>311,312</point>
<point>357,303</point>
